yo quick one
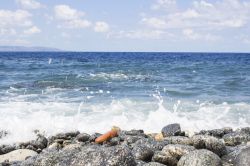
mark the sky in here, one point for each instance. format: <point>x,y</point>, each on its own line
<point>127,25</point>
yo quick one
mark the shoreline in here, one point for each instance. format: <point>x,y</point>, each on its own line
<point>171,147</point>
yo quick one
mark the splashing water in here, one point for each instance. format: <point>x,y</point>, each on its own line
<point>91,92</point>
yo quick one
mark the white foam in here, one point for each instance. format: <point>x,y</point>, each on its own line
<point>21,118</point>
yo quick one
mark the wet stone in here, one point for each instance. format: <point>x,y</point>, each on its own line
<point>171,130</point>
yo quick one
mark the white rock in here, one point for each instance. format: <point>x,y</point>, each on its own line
<point>17,155</point>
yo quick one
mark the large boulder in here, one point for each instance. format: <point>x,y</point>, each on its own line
<point>243,158</point>
<point>93,155</point>
<point>17,155</point>
<point>200,158</point>
<point>209,142</point>
<point>171,130</point>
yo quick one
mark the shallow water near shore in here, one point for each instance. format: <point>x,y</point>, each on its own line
<point>90,92</point>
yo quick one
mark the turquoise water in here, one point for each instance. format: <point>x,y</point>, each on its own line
<point>56,92</point>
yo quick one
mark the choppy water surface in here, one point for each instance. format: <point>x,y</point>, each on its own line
<point>56,92</point>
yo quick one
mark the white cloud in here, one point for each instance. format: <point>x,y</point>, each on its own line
<point>218,15</point>
<point>29,4</point>
<point>18,18</point>
<point>101,27</point>
<point>70,18</point>
<point>164,4</point>
<point>140,34</point>
<point>32,30</point>
<point>190,34</point>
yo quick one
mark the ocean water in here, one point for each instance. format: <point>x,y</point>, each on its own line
<point>90,92</point>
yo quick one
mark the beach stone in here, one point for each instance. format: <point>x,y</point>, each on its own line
<point>114,141</point>
<point>93,155</point>
<point>164,158</point>
<point>236,138</point>
<point>143,153</point>
<point>17,155</point>
<point>150,143</point>
<point>209,142</point>
<point>154,164</point>
<point>83,137</point>
<point>6,148</point>
<point>140,163</point>
<point>179,140</point>
<point>94,136</point>
<point>243,158</point>
<point>171,130</point>
<point>219,133</point>
<point>200,158</point>
<point>232,153</point>
<point>170,154</point>
<point>177,150</point>
<point>55,146</point>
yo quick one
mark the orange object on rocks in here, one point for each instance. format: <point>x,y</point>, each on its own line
<point>113,133</point>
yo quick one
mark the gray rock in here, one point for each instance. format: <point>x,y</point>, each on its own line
<point>236,138</point>
<point>243,158</point>
<point>200,158</point>
<point>93,155</point>
<point>177,151</point>
<point>171,130</point>
<point>17,155</point>
<point>94,136</point>
<point>179,140</point>
<point>164,158</point>
<point>140,163</point>
<point>83,137</point>
<point>6,148</point>
<point>114,141</point>
<point>143,153</point>
<point>150,143</point>
<point>154,164</point>
<point>209,142</point>
<point>170,154</point>
<point>217,132</point>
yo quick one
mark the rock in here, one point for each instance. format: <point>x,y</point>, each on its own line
<point>66,142</point>
<point>164,158</point>
<point>6,148</point>
<point>83,137</point>
<point>236,138</point>
<point>41,142</point>
<point>115,141</point>
<point>143,153</point>
<point>150,143</point>
<point>17,155</point>
<point>177,151</point>
<point>132,133</point>
<point>200,158</point>
<point>154,164</point>
<point>140,163</point>
<point>170,154</point>
<point>219,133</point>
<point>55,146</point>
<point>159,137</point>
<point>171,130</point>
<point>94,136</point>
<point>179,140</point>
<point>243,158</point>
<point>93,155</point>
<point>209,142</point>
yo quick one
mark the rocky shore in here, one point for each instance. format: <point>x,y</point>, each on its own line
<point>171,147</point>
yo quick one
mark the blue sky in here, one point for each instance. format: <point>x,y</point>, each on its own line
<point>127,25</point>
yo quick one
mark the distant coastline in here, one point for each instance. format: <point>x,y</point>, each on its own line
<point>28,49</point>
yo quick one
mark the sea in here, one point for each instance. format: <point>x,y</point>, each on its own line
<point>90,92</point>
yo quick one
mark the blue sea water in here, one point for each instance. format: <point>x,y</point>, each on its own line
<point>90,92</point>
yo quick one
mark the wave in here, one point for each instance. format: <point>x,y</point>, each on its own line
<point>20,119</point>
